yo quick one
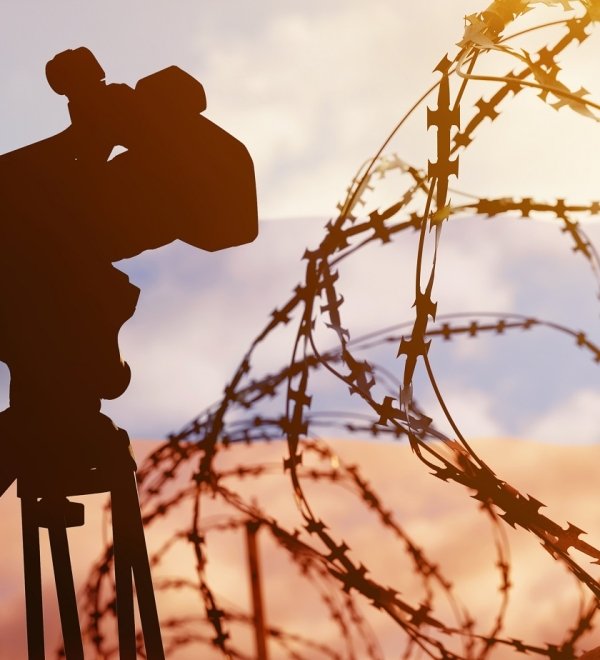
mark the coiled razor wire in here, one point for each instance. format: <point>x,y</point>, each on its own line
<point>182,471</point>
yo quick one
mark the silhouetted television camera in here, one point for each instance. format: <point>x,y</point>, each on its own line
<point>68,212</point>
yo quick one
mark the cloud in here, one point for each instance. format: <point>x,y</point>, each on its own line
<point>576,420</point>
<point>197,316</point>
<point>321,91</point>
<point>198,313</point>
<point>473,411</point>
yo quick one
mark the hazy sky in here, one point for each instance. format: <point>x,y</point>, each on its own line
<point>312,88</point>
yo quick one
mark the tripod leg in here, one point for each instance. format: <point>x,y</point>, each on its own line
<point>65,590</point>
<point>123,583</point>
<point>33,579</point>
<point>125,498</point>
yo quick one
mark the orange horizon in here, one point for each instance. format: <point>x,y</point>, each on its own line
<point>442,519</point>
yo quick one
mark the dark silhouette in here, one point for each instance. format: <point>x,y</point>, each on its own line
<point>68,212</point>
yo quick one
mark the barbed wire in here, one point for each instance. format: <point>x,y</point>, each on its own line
<point>183,472</point>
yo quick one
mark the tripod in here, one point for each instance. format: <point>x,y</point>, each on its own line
<point>44,503</point>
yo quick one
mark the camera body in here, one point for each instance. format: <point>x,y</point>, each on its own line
<point>181,176</point>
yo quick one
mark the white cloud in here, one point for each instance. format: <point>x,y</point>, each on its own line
<point>319,90</point>
<point>379,282</point>
<point>199,312</point>
<point>574,421</point>
<point>469,276</point>
<point>472,410</point>
<point>197,316</point>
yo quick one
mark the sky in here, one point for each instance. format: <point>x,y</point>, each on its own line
<point>312,89</point>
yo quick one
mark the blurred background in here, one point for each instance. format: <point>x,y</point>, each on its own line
<point>312,89</point>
